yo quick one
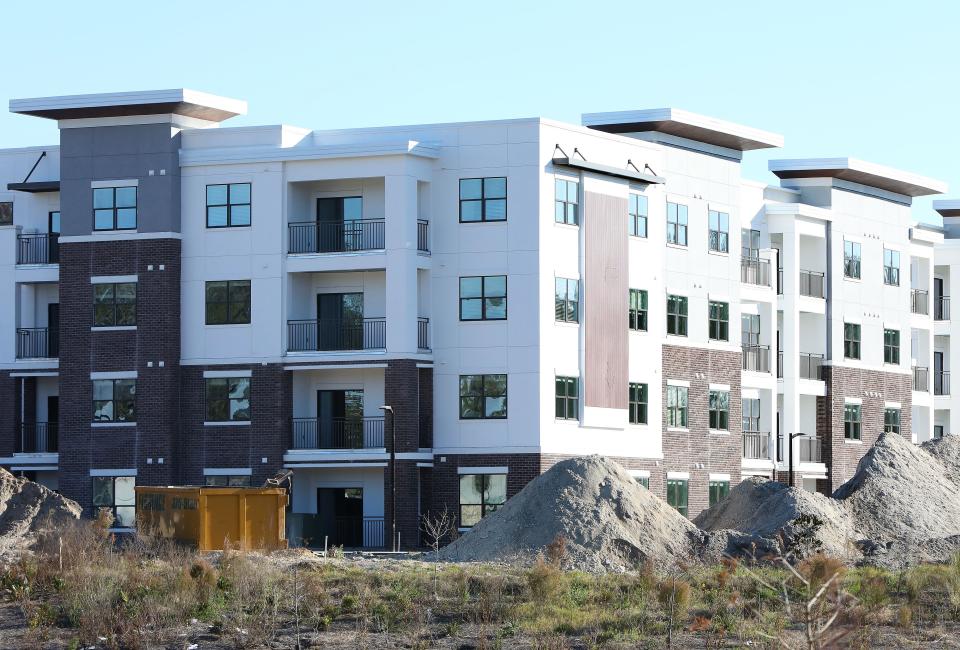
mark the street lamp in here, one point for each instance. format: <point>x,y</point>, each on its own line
<point>393,475</point>
<point>791,438</point>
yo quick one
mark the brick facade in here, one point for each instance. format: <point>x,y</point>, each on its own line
<point>9,413</point>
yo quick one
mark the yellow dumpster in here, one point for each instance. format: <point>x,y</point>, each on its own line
<point>209,517</point>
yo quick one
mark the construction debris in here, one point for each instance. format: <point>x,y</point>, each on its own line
<point>27,508</point>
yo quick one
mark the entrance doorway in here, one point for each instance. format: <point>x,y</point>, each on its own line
<point>340,419</point>
<point>340,321</point>
<point>339,517</point>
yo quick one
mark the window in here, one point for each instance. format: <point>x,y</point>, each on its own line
<point>750,330</point>
<point>643,480</point>
<point>483,199</point>
<point>115,305</point>
<point>567,300</point>
<point>677,495</point>
<point>638,403</point>
<point>891,346</point>
<point>480,494</point>
<point>676,224</point>
<point>750,412</point>
<point>677,315</point>
<point>114,400</point>
<point>851,421</point>
<point>567,398</point>
<point>750,244</point>
<point>483,397</point>
<point>227,480</point>
<point>6,213</point>
<point>851,259</point>
<point>228,205</point>
<point>637,226</point>
<point>115,208</point>
<point>116,493</point>
<point>891,420</point>
<point>677,406</point>
<point>851,341</point>
<point>719,325</point>
<point>719,231</point>
<point>228,399</point>
<point>483,297</point>
<point>720,410</point>
<point>638,310</point>
<point>937,431</point>
<point>565,202</point>
<point>891,267</point>
<point>228,302</point>
<point>718,490</point>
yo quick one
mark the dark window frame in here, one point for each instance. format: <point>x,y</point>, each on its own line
<point>891,270</point>
<point>851,345</point>
<point>891,420</point>
<point>483,297</point>
<point>6,213</point>
<point>891,346</point>
<point>116,306</point>
<point>718,239</point>
<point>717,490</point>
<point>566,309</point>
<point>484,199</point>
<point>483,395</point>
<point>113,505</point>
<point>226,480</point>
<point>678,495</point>
<point>679,317</point>
<point>639,403</point>
<point>230,304</point>
<point>852,421</point>
<point>852,258</point>
<point>718,321</point>
<point>212,414</point>
<point>229,205</point>
<point>719,414</point>
<point>486,506</point>
<point>678,414</point>
<point>638,214</point>
<point>677,228</point>
<point>130,404</point>
<point>638,310</point>
<point>566,404</point>
<point>114,208</point>
<point>566,211</point>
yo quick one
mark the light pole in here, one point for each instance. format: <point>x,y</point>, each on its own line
<point>791,438</point>
<point>393,475</point>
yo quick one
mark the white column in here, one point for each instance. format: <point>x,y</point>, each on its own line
<point>401,250</point>
<point>790,341</point>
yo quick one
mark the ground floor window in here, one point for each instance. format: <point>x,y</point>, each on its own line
<point>480,494</point>
<point>227,480</point>
<point>937,431</point>
<point>718,490</point>
<point>116,493</point>
<point>852,421</point>
<point>677,494</point>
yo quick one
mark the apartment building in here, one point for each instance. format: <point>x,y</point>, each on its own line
<point>423,317</point>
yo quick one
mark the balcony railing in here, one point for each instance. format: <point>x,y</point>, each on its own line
<point>423,333</point>
<point>423,236</point>
<point>809,449</point>
<point>360,532</point>
<point>38,248</point>
<point>941,308</point>
<point>338,433</point>
<point>920,301</point>
<point>811,366</point>
<point>37,437</point>
<point>37,343</point>
<point>921,379</point>
<point>756,358</point>
<point>327,335</point>
<point>755,271</point>
<point>333,237</point>
<point>811,283</point>
<point>941,383</point>
<point>756,445</point>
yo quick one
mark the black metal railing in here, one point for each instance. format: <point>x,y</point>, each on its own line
<point>359,532</point>
<point>336,334</point>
<point>423,236</point>
<point>811,366</point>
<point>334,237</point>
<point>919,301</point>
<point>756,445</point>
<point>941,383</point>
<point>755,271</point>
<point>756,358</point>
<point>423,333</point>
<point>38,437</point>
<point>338,433</point>
<point>941,308</point>
<point>921,379</point>
<point>37,343</point>
<point>809,449</point>
<point>38,248</point>
<point>811,283</point>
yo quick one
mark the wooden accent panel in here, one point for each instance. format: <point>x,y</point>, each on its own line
<point>605,301</point>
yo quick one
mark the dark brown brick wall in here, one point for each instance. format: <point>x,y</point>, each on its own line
<point>9,413</point>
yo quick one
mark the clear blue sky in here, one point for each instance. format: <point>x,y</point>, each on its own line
<point>872,79</point>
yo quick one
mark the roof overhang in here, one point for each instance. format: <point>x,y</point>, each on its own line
<point>861,172</point>
<point>684,124</point>
<point>607,170</point>
<point>35,187</point>
<point>179,101</point>
<point>947,207</point>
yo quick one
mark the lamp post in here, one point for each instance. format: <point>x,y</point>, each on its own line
<point>791,438</point>
<point>393,475</point>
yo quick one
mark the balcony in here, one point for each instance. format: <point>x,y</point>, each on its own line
<point>336,237</point>
<point>809,449</point>
<point>755,271</point>
<point>756,358</point>
<point>423,236</point>
<point>37,343</point>
<point>921,379</point>
<point>338,433</point>
<point>941,308</point>
<point>37,438</point>
<point>756,445</point>
<point>332,335</point>
<point>423,334</point>
<point>920,301</point>
<point>811,283</point>
<point>811,366</point>
<point>941,383</point>
<point>38,248</point>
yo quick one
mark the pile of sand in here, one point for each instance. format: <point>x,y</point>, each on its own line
<point>608,520</point>
<point>27,508</point>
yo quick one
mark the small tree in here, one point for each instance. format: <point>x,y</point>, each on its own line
<point>437,527</point>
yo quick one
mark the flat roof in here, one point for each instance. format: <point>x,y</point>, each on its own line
<point>858,171</point>
<point>947,207</point>
<point>684,124</point>
<point>178,101</point>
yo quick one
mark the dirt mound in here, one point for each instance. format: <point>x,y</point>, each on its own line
<point>947,451</point>
<point>608,520</point>
<point>27,508</point>
<point>793,519</point>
